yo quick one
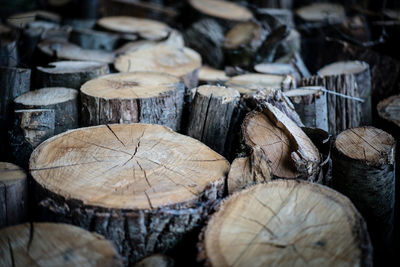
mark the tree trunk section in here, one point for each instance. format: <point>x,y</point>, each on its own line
<point>210,118</point>
<point>13,195</point>
<point>286,223</point>
<point>64,102</point>
<point>363,170</point>
<point>69,74</point>
<point>133,97</point>
<point>143,186</point>
<point>51,244</point>
<point>91,39</point>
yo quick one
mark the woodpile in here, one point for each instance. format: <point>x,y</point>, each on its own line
<point>152,123</point>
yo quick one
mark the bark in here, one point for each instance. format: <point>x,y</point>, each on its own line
<point>283,15</point>
<point>13,195</point>
<point>80,23</point>
<point>91,39</point>
<point>8,53</point>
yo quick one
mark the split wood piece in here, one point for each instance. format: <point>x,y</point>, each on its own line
<point>181,62</point>
<point>51,244</point>
<point>207,36</point>
<point>50,30</point>
<point>146,97</point>
<point>211,114</point>
<point>297,63</point>
<point>145,28</point>
<point>31,127</point>
<point>9,54</point>
<point>22,19</point>
<point>91,39</point>
<point>222,10</point>
<point>64,101</point>
<point>322,12</point>
<point>361,72</point>
<point>251,83</point>
<point>64,50</point>
<point>210,75</point>
<point>288,223</point>
<point>389,109</point>
<point>278,69</point>
<point>242,42</point>
<point>284,16</point>
<point>311,104</point>
<point>157,260</point>
<point>290,45</point>
<point>143,186</point>
<point>13,195</point>
<point>363,170</point>
<point>70,74</point>
<point>343,113</point>
<point>288,150</point>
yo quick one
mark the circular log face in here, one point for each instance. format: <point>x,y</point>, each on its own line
<point>209,74</point>
<point>250,83</point>
<point>160,58</point>
<point>222,9</point>
<point>61,67</point>
<point>10,172</point>
<point>369,144</point>
<point>47,96</point>
<point>130,85</point>
<point>286,223</point>
<point>242,34</point>
<point>389,109</point>
<point>343,67</point>
<point>322,11</point>
<point>146,28</point>
<point>50,244</point>
<point>130,166</point>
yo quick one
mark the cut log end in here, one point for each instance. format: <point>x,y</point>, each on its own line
<point>209,74</point>
<point>222,10</point>
<point>322,12</point>
<point>286,223</point>
<point>63,67</point>
<point>47,96</point>
<point>157,260</point>
<point>344,67</point>
<point>10,173</point>
<point>389,109</point>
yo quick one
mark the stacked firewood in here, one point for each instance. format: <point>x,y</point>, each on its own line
<point>203,132</point>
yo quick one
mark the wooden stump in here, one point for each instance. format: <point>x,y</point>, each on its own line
<point>145,97</point>
<point>92,39</point>
<point>157,260</point>
<point>64,101</point>
<point>211,115</point>
<point>70,74</point>
<point>344,111</point>
<point>251,83</point>
<point>141,185</point>
<point>286,223</point>
<point>209,75</point>
<point>363,170</point>
<point>311,105</point>
<point>145,28</point>
<point>50,244</point>
<point>362,75</point>
<point>287,149</point>
<point>13,195</point>
<point>31,127</point>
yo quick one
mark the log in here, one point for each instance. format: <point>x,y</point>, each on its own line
<point>278,69</point>
<point>145,28</point>
<point>286,223</point>
<point>92,39</point>
<point>211,115</point>
<point>50,30</point>
<point>287,149</point>
<point>70,74</point>
<point>222,10</point>
<point>282,15</point>
<point>319,13</point>
<point>157,260</point>
<point>273,4</point>
<point>31,127</point>
<point>51,244</point>
<point>56,50</point>
<point>389,110</point>
<point>13,195</point>
<point>343,112</point>
<point>209,75</point>
<point>143,186</point>
<point>145,97</point>
<point>77,23</point>
<point>20,20</point>
<point>251,83</point>
<point>311,105</point>
<point>361,72</point>
<point>9,56</point>
<point>64,101</point>
<point>363,170</point>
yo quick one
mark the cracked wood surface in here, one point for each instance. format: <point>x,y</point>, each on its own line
<point>146,97</point>
<point>50,244</point>
<point>286,223</point>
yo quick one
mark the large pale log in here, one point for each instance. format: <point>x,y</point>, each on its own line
<point>142,186</point>
<point>209,75</point>
<point>222,10</point>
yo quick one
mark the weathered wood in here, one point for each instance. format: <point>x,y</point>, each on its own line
<point>145,97</point>
<point>9,56</point>
<point>50,30</point>
<point>209,75</point>
<point>223,10</point>
<point>343,113</point>
<point>20,20</point>
<point>51,244</point>
<point>288,223</point>
<point>64,102</point>
<point>287,149</point>
<point>211,114</point>
<point>363,170</point>
<point>362,75</point>
<point>311,105</point>
<point>31,127</point>
<point>70,74</point>
<point>92,39</point>
<point>319,13</point>
<point>143,186</point>
<point>78,23</point>
<point>13,195</point>
<point>284,16</point>
<point>278,69</point>
<point>157,260</point>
